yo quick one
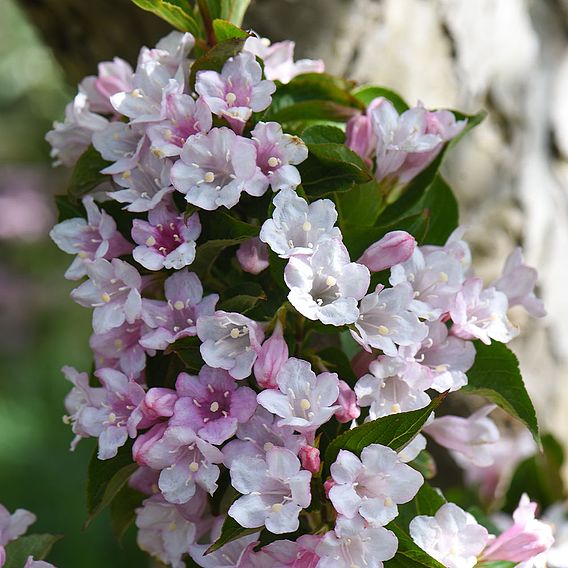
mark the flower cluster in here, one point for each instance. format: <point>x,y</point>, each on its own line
<point>222,397</point>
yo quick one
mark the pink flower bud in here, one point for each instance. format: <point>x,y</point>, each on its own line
<point>327,485</point>
<point>253,256</point>
<point>310,458</point>
<point>273,354</point>
<point>360,136</point>
<point>348,401</point>
<point>527,538</point>
<point>395,247</point>
<point>144,443</point>
<point>159,403</point>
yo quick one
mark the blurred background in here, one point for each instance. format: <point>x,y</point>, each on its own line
<point>511,177</point>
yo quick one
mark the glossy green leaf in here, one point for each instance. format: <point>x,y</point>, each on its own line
<point>409,554</point>
<point>323,133</point>
<point>496,376</point>
<point>122,510</point>
<point>105,478</point>
<point>225,30</point>
<point>187,349</point>
<point>368,93</point>
<point>242,298</point>
<point>86,174</point>
<point>360,206</point>
<point>36,545</point>
<point>177,13</point>
<point>68,209</point>
<point>394,431</point>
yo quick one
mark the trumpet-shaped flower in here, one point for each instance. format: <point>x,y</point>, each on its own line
<point>451,536</point>
<point>326,285</point>
<point>253,256</point>
<point>296,227</point>
<point>166,240</point>
<point>274,490</point>
<point>91,238</point>
<point>373,485</point>
<point>231,341</point>
<point>216,167</point>
<point>304,401</point>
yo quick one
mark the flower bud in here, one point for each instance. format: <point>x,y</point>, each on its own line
<point>310,458</point>
<point>360,136</point>
<point>273,354</point>
<point>145,441</point>
<point>327,485</point>
<point>158,403</point>
<point>348,401</point>
<point>253,256</point>
<point>527,538</point>
<point>395,247</point>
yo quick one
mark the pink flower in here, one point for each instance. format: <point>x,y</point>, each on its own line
<point>348,401</point>
<point>527,538</point>
<point>166,240</point>
<point>253,256</point>
<point>394,248</point>
<point>310,458</point>
<point>31,563</point>
<point>13,526</point>
<point>299,554</point>
<point>237,91</point>
<point>212,404</point>
<point>361,137</point>
<point>273,354</point>
<point>95,237</point>
<point>471,437</point>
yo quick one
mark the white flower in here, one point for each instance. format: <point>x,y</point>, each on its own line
<point>386,320</point>
<point>275,490</point>
<point>305,401</point>
<point>373,485</point>
<point>353,544</point>
<point>296,227</point>
<point>326,285</point>
<point>452,536</point>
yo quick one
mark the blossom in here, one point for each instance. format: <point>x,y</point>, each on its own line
<point>113,290</point>
<point>347,400</point>
<point>470,437</point>
<point>70,138</point>
<point>296,227</point>
<point>212,404</point>
<point>216,167</point>
<point>260,434</point>
<point>274,491</point>
<point>278,58</point>
<point>253,256</point>
<point>120,143</point>
<point>310,458</point>
<point>386,320</point>
<point>185,461</point>
<point>354,543</point>
<point>237,91</point>
<point>171,51</point>
<point>13,526</point>
<point>526,539</point>
<point>304,401</point>
<point>91,238</point>
<point>273,354</point>
<point>185,305</point>
<point>395,247</point>
<point>166,240</point>
<point>231,341</point>
<point>145,185</point>
<point>386,392</point>
<point>326,285</point>
<point>277,154</point>
<point>435,276</point>
<point>184,118</point>
<point>166,531</point>
<point>373,485</point>
<point>451,536</point>
<point>31,563</point>
<point>234,554</point>
<point>479,313</point>
<point>360,136</point>
<point>517,283</point>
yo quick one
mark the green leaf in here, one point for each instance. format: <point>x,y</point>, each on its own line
<point>409,554</point>
<point>122,510</point>
<point>68,209</point>
<point>426,502</point>
<point>225,30</point>
<point>234,10</point>
<point>177,13</point>
<point>496,376</point>
<point>36,545</point>
<point>368,93</point>
<point>322,133</point>
<point>242,298</point>
<point>394,431</point>
<point>230,531</point>
<point>540,476</point>
<point>87,173</point>
<point>106,478</point>
<point>360,206</point>
<point>215,58</point>
<point>331,167</point>
<point>337,361</point>
<point>187,349</point>
<point>425,464</point>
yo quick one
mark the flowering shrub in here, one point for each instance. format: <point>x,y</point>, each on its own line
<point>282,298</point>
